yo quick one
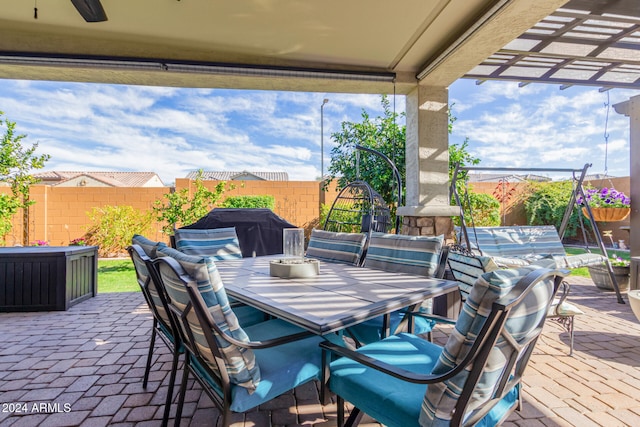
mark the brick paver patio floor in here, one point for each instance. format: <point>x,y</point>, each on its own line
<point>85,366</point>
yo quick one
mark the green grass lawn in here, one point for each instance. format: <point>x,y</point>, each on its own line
<point>117,275</point>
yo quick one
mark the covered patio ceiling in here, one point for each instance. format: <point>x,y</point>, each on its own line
<point>356,46</point>
<point>336,46</point>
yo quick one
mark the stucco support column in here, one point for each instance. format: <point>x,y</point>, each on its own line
<point>427,210</point>
<point>631,109</point>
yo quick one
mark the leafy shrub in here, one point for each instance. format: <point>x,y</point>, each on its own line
<point>546,203</point>
<point>114,226</point>
<point>182,209</point>
<point>250,202</point>
<point>485,210</point>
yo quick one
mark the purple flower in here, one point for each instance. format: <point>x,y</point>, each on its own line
<point>605,197</point>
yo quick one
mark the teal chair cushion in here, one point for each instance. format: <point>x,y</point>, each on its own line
<point>240,362</point>
<point>282,368</point>
<point>336,247</point>
<point>219,243</point>
<point>392,402</point>
<point>404,254</point>
<point>441,398</point>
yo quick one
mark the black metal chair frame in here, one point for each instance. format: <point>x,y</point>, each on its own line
<point>174,343</point>
<point>477,357</point>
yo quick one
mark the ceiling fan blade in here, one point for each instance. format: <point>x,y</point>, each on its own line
<point>91,10</point>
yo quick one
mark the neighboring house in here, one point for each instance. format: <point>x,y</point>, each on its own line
<point>240,176</point>
<point>99,179</point>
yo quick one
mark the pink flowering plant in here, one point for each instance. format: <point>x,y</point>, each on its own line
<point>40,243</point>
<point>606,198</point>
<point>80,241</point>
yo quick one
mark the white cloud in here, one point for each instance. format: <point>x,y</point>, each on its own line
<point>173,131</point>
<point>544,127</point>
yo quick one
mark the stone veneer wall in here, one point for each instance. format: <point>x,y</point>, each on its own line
<point>428,226</point>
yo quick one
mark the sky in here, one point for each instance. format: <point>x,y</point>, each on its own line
<point>172,131</point>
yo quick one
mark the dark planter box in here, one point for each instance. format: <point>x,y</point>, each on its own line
<point>46,278</point>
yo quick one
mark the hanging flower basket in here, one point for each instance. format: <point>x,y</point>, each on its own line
<point>606,204</point>
<point>607,214</point>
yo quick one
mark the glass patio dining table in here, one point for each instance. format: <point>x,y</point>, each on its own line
<point>339,296</point>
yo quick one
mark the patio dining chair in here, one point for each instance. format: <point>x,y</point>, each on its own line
<point>466,267</point>
<point>219,243</point>
<point>246,314</point>
<point>239,368</point>
<point>421,255</point>
<point>163,325</point>
<point>475,379</point>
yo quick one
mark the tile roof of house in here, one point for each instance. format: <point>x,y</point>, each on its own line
<point>115,179</point>
<point>230,176</point>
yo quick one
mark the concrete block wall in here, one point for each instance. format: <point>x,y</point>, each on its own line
<point>60,214</point>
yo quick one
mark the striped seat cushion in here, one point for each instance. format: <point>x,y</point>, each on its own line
<point>518,241</point>
<point>336,247</point>
<point>148,246</point>
<point>240,362</point>
<point>404,254</point>
<point>219,243</point>
<point>441,398</point>
<point>142,272</point>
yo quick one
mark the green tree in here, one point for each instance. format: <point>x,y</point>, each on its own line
<point>386,136</point>
<point>460,154</point>
<point>382,134</point>
<point>179,209</point>
<point>16,164</point>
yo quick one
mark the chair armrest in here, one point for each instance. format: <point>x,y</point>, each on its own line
<point>274,342</point>
<point>435,317</point>
<point>208,319</point>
